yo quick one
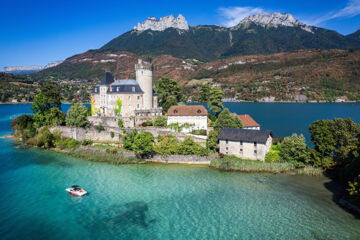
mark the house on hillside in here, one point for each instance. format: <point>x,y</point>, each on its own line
<point>192,117</point>
<point>245,143</point>
<point>248,122</point>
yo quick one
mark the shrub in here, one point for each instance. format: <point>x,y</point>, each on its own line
<point>167,145</point>
<point>144,144</point>
<point>160,121</point>
<point>87,142</point>
<point>100,128</point>
<point>120,123</point>
<point>71,143</point>
<point>274,154</point>
<point>112,134</point>
<point>199,132</point>
<point>189,147</point>
<point>45,138</point>
<point>129,140</point>
<point>112,150</point>
<point>149,123</point>
<point>354,190</point>
<point>212,141</point>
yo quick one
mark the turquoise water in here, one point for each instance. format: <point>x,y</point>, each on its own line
<point>157,201</point>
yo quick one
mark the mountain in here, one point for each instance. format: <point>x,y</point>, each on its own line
<point>29,69</point>
<point>163,23</point>
<point>256,34</point>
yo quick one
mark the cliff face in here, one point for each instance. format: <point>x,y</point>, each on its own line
<point>163,23</point>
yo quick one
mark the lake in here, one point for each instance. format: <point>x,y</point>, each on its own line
<point>158,201</point>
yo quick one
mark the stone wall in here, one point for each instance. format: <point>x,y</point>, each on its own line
<point>92,133</point>
<point>186,159</point>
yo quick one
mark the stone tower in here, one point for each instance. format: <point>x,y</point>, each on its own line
<point>144,78</point>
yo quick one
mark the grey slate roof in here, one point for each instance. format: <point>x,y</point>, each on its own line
<point>107,79</point>
<point>122,88</point>
<point>246,135</point>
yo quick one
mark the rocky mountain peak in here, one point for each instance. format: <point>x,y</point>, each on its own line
<point>276,19</point>
<point>163,23</point>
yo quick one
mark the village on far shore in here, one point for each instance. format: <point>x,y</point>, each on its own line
<point>138,104</point>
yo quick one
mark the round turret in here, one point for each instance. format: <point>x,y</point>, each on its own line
<point>144,78</point>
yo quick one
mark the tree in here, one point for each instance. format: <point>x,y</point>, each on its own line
<point>160,121</point>
<point>144,144</point>
<point>47,106</point>
<point>167,145</point>
<point>294,150</point>
<point>215,100</point>
<point>189,147</point>
<point>168,91</point>
<point>48,97</point>
<point>76,116</point>
<point>337,140</point>
<point>212,140</point>
<point>129,140</point>
<point>227,120</point>
<point>204,94</point>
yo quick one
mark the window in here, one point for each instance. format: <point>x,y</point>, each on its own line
<point>241,151</point>
<point>175,111</point>
<point>255,152</point>
<point>227,148</point>
<point>138,106</point>
<point>138,97</point>
<point>227,141</point>
<point>199,111</point>
<point>129,97</point>
<point>117,89</point>
<point>241,143</point>
<point>95,89</point>
<point>133,89</point>
<point>255,144</point>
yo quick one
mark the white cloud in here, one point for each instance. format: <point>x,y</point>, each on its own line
<point>351,9</point>
<point>231,16</point>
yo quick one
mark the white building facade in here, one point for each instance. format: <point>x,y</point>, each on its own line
<point>191,117</point>
<point>245,143</point>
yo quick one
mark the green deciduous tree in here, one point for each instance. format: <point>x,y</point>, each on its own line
<point>47,106</point>
<point>215,100</point>
<point>128,140</point>
<point>227,120</point>
<point>212,140</point>
<point>76,116</point>
<point>168,91</point>
<point>189,147</point>
<point>144,144</point>
<point>295,151</point>
<point>167,145</point>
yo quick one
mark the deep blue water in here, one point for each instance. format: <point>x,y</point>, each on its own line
<point>157,201</point>
<point>287,118</point>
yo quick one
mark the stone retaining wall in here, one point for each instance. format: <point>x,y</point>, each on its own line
<point>92,133</point>
<point>186,159</point>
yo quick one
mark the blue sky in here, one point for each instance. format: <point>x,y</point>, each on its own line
<point>38,32</point>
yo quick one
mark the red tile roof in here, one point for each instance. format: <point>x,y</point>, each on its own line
<point>248,121</point>
<point>187,110</point>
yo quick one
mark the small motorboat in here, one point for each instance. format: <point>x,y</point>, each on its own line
<point>76,191</point>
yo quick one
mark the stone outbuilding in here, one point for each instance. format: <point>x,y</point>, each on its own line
<point>245,143</point>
